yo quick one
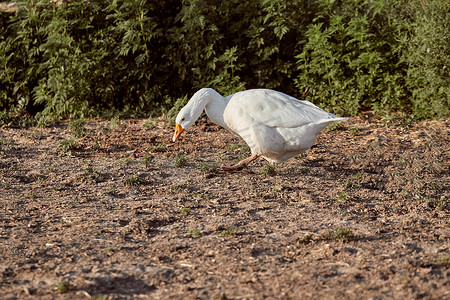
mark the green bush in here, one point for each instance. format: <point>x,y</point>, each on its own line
<point>87,58</point>
<point>428,57</point>
<point>351,57</point>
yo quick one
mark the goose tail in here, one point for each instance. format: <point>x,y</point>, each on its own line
<point>332,118</point>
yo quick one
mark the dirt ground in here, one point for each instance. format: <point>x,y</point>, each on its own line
<point>124,213</point>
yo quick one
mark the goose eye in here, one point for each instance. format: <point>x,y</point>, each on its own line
<point>183,119</point>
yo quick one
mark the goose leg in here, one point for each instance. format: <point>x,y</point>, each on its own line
<point>240,165</point>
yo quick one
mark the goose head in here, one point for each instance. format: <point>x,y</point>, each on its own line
<point>191,112</point>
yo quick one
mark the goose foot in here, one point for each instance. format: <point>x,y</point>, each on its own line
<point>240,165</point>
<point>234,168</point>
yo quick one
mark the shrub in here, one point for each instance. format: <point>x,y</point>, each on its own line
<point>81,58</point>
<point>350,57</point>
<point>428,56</point>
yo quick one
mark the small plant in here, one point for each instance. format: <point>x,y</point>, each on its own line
<point>276,189</point>
<point>72,204</point>
<point>238,147</point>
<point>114,122</point>
<point>134,180</point>
<point>194,232</point>
<point>200,196</point>
<point>158,148</point>
<point>397,119</point>
<point>40,180</point>
<point>208,169</point>
<point>267,170</point>
<point>354,130</point>
<point>443,203</point>
<point>306,239</point>
<point>111,191</point>
<point>96,146</point>
<point>301,156</point>
<point>8,144</point>
<point>336,126</point>
<point>342,235</point>
<point>63,287</point>
<point>230,232</point>
<point>185,211</point>
<point>440,204</point>
<point>357,176</point>
<point>124,161</point>
<point>342,197</point>
<point>67,145</point>
<point>150,124</point>
<point>77,127</point>
<point>178,187</point>
<point>444,260</point>
<point>348,184</point>
<point>110,249</point>
<point>88,174</point>
<point>232,147</point>
<point>147,160</point>
<point>35,135</point>
<point>52,169</point>
<point>180,160</point>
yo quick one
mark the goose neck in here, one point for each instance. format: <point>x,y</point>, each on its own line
<point>216,107</point>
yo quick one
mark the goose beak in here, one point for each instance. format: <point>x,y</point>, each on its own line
<point>178,131</point>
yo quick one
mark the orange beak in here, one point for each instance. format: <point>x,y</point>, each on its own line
<point>178,131</point>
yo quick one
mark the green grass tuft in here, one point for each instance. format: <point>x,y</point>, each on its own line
<point>194,232</point>
<point>230,232</point>
<point>77,127</point>
<point>180,160</point>
<point>134,180</point>
<point>147,160</point>
<point>267,170</point>
<point>306,239</point>
<point>63,287</point>
<point>445,260</point>
<point>67,145</point>
<point>185,211</point>
<point>342,197</point>
<point>342,235</point>
<point>209,169</point>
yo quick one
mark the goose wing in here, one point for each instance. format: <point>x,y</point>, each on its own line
<point>276,109</point>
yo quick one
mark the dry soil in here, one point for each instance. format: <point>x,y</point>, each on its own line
<point>124,213</point>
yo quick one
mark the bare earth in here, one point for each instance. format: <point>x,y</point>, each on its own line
<point>362,215</point>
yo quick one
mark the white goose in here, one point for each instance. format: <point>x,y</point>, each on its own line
<point>275,126</point>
